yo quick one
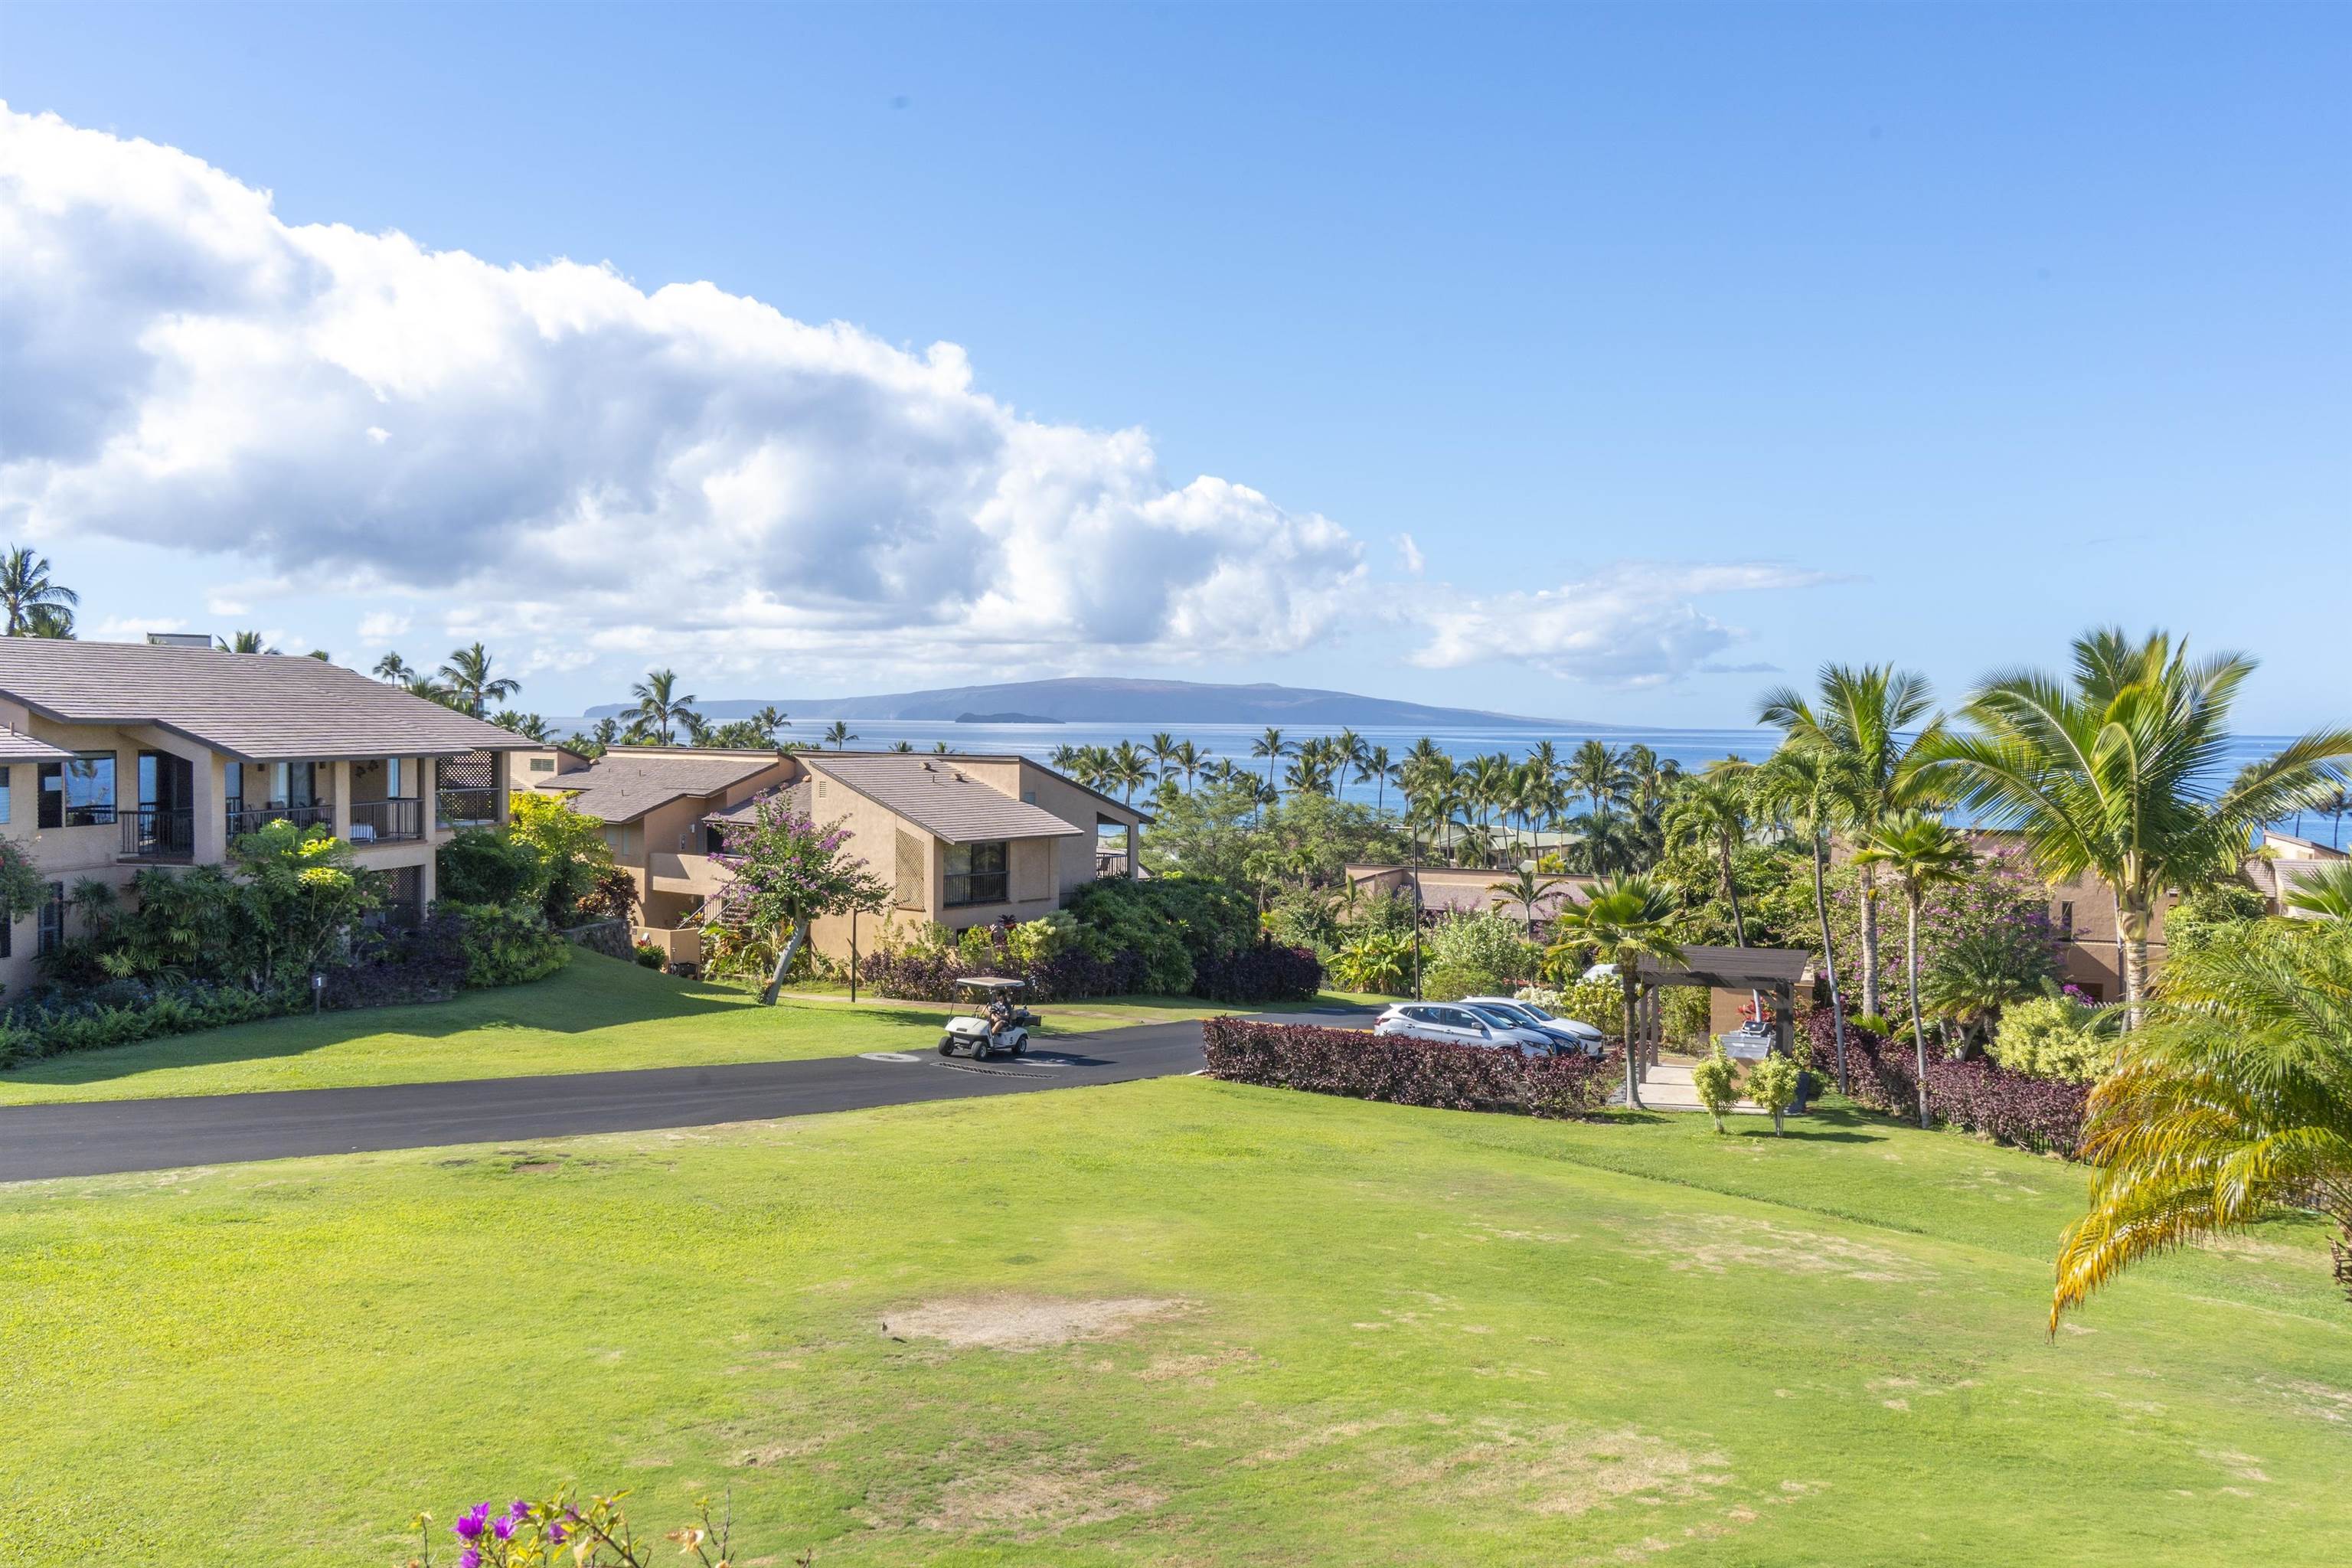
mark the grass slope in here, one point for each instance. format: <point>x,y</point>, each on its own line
<point>595,1015</point>
<point>1322,1332</point>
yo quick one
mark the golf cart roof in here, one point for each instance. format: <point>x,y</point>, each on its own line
<point>992,983</point>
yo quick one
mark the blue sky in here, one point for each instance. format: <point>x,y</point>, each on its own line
<point>1678,341</point>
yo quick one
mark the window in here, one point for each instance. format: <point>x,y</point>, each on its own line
<point>4,817</point>
<point>293,783</point>
<point>2066,916</point>
<point>78,794</point>
<point>53,921</point>
<point>975,874</point>
<point>542,764</point>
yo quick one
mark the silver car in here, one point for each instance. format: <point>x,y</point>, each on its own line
<point>1572,1035</point>
<point>1456,1024</point>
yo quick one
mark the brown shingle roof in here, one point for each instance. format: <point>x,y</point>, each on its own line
<point>16,746</point>
<point>620,786</point>
<point>795,796</point>
<point>259,707</point>
<point>933,793</point>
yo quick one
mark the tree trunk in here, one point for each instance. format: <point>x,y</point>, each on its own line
<point>2131,943</point>
<point>783,964</point>
<point>1870,997</point>
<point>1625,986</point>
<point>1911,965</point>
<point>1828,964</point>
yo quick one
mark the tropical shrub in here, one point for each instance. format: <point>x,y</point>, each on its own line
<point>1034,943</point>
<point>1979,1096</point>
<point>1267,971</point>
<point>1394,1070</point>
<point>2209,910</point>
<point>2003,905</point>
<point>1594,1002</point>
<point>1685,1014</point>
<point>489,866</point>
<point>575,860</point>
<point>1301,917</point>
<point>1716,1081</point>
<point>1482,953</point>
<point>1171,922</point>
<point>1772,1084</point>
<point>1376,961</point>
<point>503,944</point>
<point>2057,1037</point>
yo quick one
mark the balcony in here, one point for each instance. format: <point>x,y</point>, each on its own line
<point>253,819</point>
<point>468,807</point>
<point>149,833</point>
<point>386,821</point>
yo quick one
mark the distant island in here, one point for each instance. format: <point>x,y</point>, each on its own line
<point>1103,700</point>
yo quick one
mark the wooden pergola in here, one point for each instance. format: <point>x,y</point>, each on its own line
<point>1774,972</point>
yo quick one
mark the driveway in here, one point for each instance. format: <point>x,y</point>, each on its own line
<point>49,1140</point>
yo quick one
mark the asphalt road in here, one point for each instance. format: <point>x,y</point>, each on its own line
<point>95,1139</point>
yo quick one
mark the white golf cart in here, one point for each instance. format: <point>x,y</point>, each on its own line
<point>1000,1024</point>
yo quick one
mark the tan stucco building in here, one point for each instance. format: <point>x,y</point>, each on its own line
<point>118,756</point>
<point>960,840</point>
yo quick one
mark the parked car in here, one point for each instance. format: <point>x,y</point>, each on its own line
<point>1571,1033</point>
<point>1452,1024</point>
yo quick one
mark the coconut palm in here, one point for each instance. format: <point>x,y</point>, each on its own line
<point>1526,890</point>
<point>1130,767</point>
<point>2327,892</point>
<point>243,642</point>
<point>771,719</point>
<point>1062,758</point>
<point>1598,774</point>
<point>838,735</point>
<point>1861,714</point>
<point>1375,768</point>
<point>607,732</point>
<point>54,622</point>
<point>529,726</point>
<point>1163,750</point>
<point>1185,759</point>
<point>2120,772</point>
<point>1272,748</point>
<point>26,586</point>
<point>394,668</point>
<point>1712,812</point>
<point>1621,922</point>
<point>2235,1103</point>
<point>470,685</point>
<point>661,708</point>
<point>1807,785</point>
<point>1923,852</point>
<point>902,745</point>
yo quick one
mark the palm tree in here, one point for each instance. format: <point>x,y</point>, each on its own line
<point>1130,767</point>
<point>1161,747</point>
<point>1922,852</point>
<point>1807,784</point>
<point>1062,758</point>
<point>607,731</point>
<point>771,719</point>
<point>1374,768</point>
<point>1712,811</point>
<point>471,686</point>
<point>902,745</point>
<point>1185,759</point>
<point>1861,714</point>
<point>243,642</point>
<point>394,668</point>
<point>529,726</point>
<point>26,586</point>
<point>54,622</point>
<point>1272,748</point>
<point>1599,774</point>
<point>2327,892</point>
<point>2234,1104</point>
<point>660,708</point>
<point>838,736</point>
<point>2121,774</point>
<point>1527,889</point>
<point>1621,920</point>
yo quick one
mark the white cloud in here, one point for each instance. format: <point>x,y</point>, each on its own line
<point>686,471</point>
<point>382,626</point>
<point>1630,624</point>
<point>1411,553</point>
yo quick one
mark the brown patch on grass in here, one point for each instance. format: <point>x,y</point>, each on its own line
<point>2313,1398</point>
<point>1010,1322</point>
<point>1029,1503</point>
<point>1563,1470</point>
<point>1198,1367</point>
<point>1717,1243</point>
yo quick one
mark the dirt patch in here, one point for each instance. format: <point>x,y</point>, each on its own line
<point>1717,1243</point>
<point>1029,1503</point>
<point>1562,1470</point>
<point>1198,1367</point>
<point>1023,1323</point>
<point>2313,1398</point>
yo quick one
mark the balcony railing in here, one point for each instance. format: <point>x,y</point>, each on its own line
<point>386,821</point>
<point>468,807</point>
<point>149,833</point>
<point>254,819</point>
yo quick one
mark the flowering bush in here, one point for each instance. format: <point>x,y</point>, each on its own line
<point>1977,1096</point>
<point>2003,905</point>
<point>2057,1037</point>
<point>580,1532</point>
<point>1400,1071</point>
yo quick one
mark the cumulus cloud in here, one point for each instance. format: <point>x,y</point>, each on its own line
<point>1633,624</point>
<point>686,472</point>
<point>1409,554</point>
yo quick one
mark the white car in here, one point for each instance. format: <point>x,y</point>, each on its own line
<point>1453,1023</point>
<point>1571,1034</point>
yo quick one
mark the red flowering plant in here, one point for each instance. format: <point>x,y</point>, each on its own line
<point>786,872</point>
<point>566,1528</point>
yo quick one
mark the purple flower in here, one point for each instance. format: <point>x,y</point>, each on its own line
<point>503,1527</point>
<point>469,1523</point>
<point>518,1509</point>
<point>555,1534</point>
<point>469,1557</point>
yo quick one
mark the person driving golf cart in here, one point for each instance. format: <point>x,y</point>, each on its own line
<point>1003,1024</point>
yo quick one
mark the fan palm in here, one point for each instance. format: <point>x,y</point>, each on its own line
<point>1622,922</point>
<point>26,586</point>
<point>661,707</point>
<point>2120,772</point>
<point>2235,1103</point>
<point>467,678</point>
<point>1923,852</point>
<point>1860,714</point>
<point>1805,785</point>
<point>2327,892</point>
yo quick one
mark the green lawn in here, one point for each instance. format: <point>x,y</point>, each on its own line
<point>594,1015</point>
<point>1251,1327</point>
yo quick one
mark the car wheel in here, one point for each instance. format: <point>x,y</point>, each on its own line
<point>1020,1045</point>
<point>979,1051</point>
